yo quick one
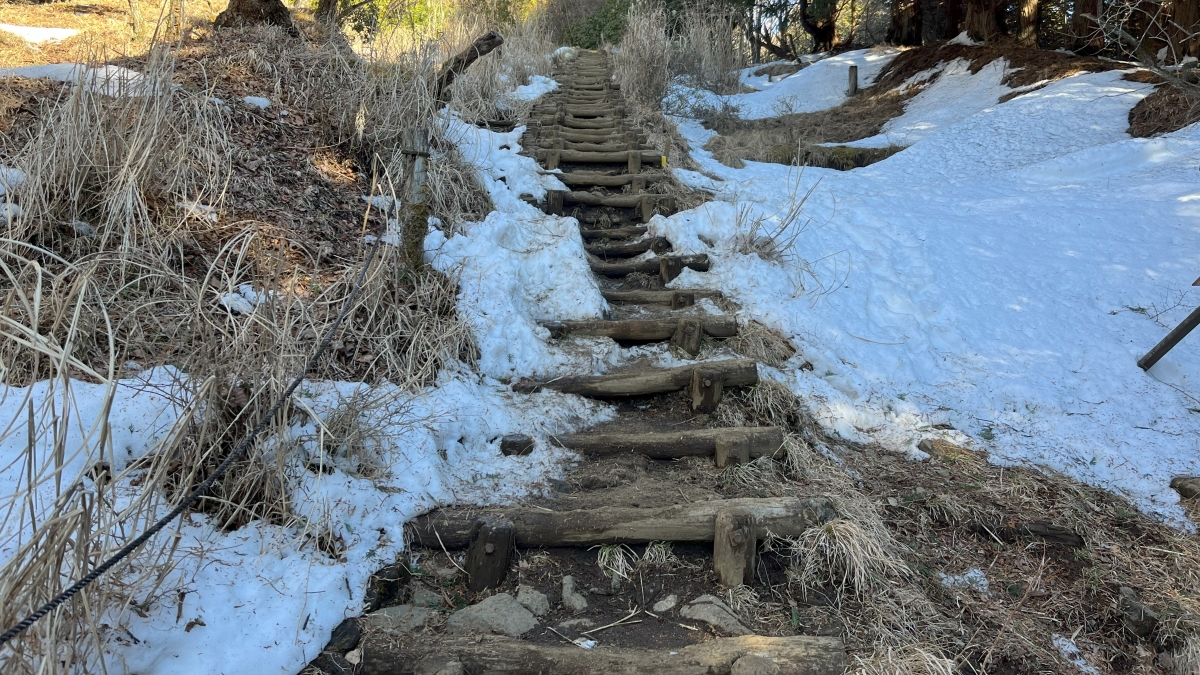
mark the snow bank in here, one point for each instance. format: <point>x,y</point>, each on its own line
<point>38,35</point>
<point>109,80</point>
<point>1003,274</point>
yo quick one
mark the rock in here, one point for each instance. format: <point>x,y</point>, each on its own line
<point>399,620</point>
<point>570,599</point>
<point>452,668</point>
<point>575,624</point>
<point>423,597</point>
<point>533,600</point>
<point>500,613</point>
<point>666,604</point>
<point>332,664</point>
<point>754,665</point>
<point>1188,487</point>
<point>1139,619</point>
<point>712,611</point>
<point>438,667</point>
<point>943,449</point>
<point>345,637</point>
<point>450,572</point>
<point>388,586</point>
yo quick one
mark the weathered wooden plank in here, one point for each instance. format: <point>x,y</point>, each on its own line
<point>699,263</point>
<point>791,655</point>
<point>581,157</point>
<point>693,522</point>
<point>759,442</point>
<point>735,373</point>
<point>641,330</point>
<point>613,232</point>
<point>659,245</point>
<point>657,297</point>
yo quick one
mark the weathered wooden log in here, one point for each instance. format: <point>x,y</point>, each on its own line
<point>735,545</point>
<point>592,123</point>
<point>791,655</point>
<point>758,441</point>
<point>1173,338</point>
<point>621,146</point>
<point>554,201</point>
<point>735,373</point>
<point>481,47</point>
<point>642,330</point>
<point>659,245</point>
<point>597,110</point>
<point>669,298</point>
<point>581,157</point>
<point>697,262</point>
<point>693,522</point>
<point>487,554</point>
<point>735,449</point>
<point>612,201</point>
<point>669,268</point>
<point>612,232</point>
<point>593,135</point>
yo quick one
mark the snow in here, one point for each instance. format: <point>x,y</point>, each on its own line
<point>108,80</point>
<point>257,101</point>
<point>1071,654</point>
<point>11,178</point>
<point>538,85</point>
<point>817,87</point>
<point>244,299</point>
<point>1003,274</point>
<point>964,40</point>
<point>38,35</point>
<point>973,579</point>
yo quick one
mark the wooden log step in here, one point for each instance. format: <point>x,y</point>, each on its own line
<point>694,522</point>
<point>619,269</point>
<point>590,179</point>
<point>671,299</point>
<point>614,201</point>
<point>593,135</point>
<point>790,655</point>
<point>659,245</point>
<point>640,330</point>
<point>613,232</point>
<point>596,123</point>
<point>759,441</point>
<point>581,157</point>
<point>733,373</point>
<point>620,145</point>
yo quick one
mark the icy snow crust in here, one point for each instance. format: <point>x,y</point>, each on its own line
<point>1000,274</point>
<point>266,601</point>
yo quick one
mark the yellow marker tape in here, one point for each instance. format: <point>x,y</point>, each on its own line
<point>664,161</point>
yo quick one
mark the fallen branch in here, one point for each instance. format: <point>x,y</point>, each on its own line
<point>481,47</point>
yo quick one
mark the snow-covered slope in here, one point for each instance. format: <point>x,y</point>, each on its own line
<point>1003,274</point>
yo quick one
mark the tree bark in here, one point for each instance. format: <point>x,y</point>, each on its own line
<point>1185,28</point>
<point>981,24</point>
<point>822,29</point>
<point>1030,14</point>
<point>954,16</point>
<point>254,13</point>
<point>1087,36</point>
<point>906,23</point>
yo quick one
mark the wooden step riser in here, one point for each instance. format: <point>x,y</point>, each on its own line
<point>759,441</point>
<point>659,245</point>
<point>639,330</point>
<point>699,263</point>
<point>735,373</point>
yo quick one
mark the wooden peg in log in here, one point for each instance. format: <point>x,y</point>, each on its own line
<point>554,201</point>
<point>732,448</point>
<point>646,208</point>
<point>669,268</point>
<point>707,388</point>
<point>635,163</point>
<point>553,158</point>
<point>681,299</point>
<point>688,333</point>
<point>487,556</point>
<point>735,544</point>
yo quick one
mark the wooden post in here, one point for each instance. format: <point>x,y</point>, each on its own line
<point>646,208</point>
<point>553,158</point>
<point>554,201</point>
<point>487,556</point>
<point>638,185</point>
<point>688,333</point>
<point>669,268</point>
<point>482,46</point>
<point>732,448</point>
<point>681,299</point>
<point>735,544</point>
<point>853,88</point>
<point>634,164</point>
<point>1173,338</point>
<point>416,211</point>
<point>707,387</point>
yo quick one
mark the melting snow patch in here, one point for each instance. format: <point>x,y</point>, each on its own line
<point>37,34</point>
<point>107,80</point>
<point>538,85</point>
<point>964,40</point>
<point>244,299</point>
<point>10,179</point>
<point>257,101</point>
<point>1072,655</point>
<point>972,580</point>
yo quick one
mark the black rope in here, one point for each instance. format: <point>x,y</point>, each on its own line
<point>204,486</point>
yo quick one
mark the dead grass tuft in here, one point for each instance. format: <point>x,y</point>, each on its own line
<point>1165,110</point>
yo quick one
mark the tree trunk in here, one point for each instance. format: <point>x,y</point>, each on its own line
<point>255,12</point>
<point>981,24</point>
<point>1087,36</point>
<point>1185,28</point>
<point>906,23</point>
<point>954,12</point>
<point>822,29</point>
<point>1028,33</point>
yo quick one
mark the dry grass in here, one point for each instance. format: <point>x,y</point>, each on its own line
<point>642,64</point>
<point>707,50</point>
<point>1165,110</point>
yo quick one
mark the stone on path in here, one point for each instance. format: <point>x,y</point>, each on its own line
<point>500,613</point>
<point>423,597</point>
<point>666,604</point>
<point>399,619</point>
<point>533,600</point>
<point>710,610</point>
<point>570,598</point>
<point>1188,487</point>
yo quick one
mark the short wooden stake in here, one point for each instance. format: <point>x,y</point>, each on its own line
<point>735,544</point>
<point>680,299</point>
<point>554,201</point>
<point>635,162</point>
<point>669,268</point>
<point>646,208</point>
<point>487,556</point>
<point>687,337</point>
<point>415,148</point>
<point>638,184</point>
<point>852,89</point>
<point>552,159</point>
<point>732,448</point>
<point>664,206</point>
<point>707,387</point>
